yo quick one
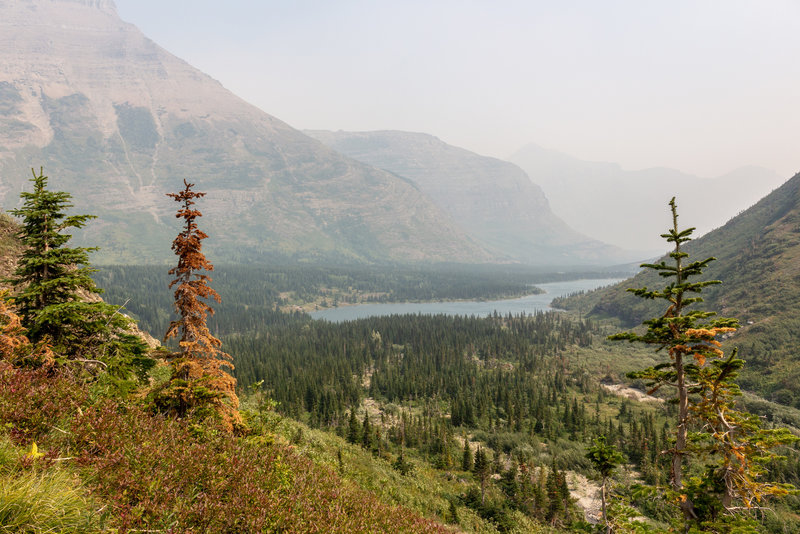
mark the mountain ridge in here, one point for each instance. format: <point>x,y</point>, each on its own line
<point>601,198</point>
<point>493,200</point>
<point>118,122</point>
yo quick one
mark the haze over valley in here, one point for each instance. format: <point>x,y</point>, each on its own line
<point>119,120</point>
<point>393,295</point>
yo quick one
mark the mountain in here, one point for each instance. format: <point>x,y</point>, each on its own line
<point>493,200</point>
<point>118,122</point>
<point>601,199</point>
<point>758,262</point>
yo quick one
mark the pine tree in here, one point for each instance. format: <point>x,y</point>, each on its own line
<point>196,341</point>
<point>556,510</point>
<point>452,513</point>
<point>466,457</point>
<point>736,440</point>
<point>703,381</point>
<point>55,295</point>
<point>353,428</point>
<point>366,432</point>
<point>482,470</point>
<point>605,459</point>
<point>198,379</point>
<point>49,272</point>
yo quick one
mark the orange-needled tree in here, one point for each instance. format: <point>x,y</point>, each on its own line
<point>199,381</point>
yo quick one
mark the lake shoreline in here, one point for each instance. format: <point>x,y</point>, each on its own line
<point>529,303</point>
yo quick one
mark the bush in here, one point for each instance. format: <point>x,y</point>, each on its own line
<point>158,473</point>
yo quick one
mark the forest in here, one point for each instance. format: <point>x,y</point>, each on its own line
<point>252,419</point>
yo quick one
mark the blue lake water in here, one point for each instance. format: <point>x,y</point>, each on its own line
<point>528,305</point>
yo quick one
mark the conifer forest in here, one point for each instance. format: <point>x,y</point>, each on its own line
<point>250,416</point>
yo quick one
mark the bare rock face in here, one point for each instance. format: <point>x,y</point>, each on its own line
<point>118,122</point>
<point>493,200</point>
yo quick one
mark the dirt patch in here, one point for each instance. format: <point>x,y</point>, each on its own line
<point>630,393</point>
<point>587,496</point>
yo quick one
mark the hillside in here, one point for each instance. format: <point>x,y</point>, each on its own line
<point>758,261</point>
<point>387,424</point>
<point>600,199</point>
<point>119,122</point>
<point>493,200</point>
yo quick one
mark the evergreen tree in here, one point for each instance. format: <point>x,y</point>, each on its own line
<point>54,289</point>
<point>353,429</point>
<point>198,380</point>
<point>703,381</point>
<point>400,464</point>
<point>736,441</point>
<point>556,510</point>
<point>452,513</point>
<point>605,458</point>
<point>466,457</point>
<point>366,432</point>
<point>49,273</point>
<point>482,470</point>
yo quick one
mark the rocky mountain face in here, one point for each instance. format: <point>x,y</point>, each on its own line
<point>626,208</point>
<point>119,122</point>
<point>758,261</point>
<point>493,200</point>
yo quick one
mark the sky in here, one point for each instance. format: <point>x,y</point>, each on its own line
<point>697,85</point>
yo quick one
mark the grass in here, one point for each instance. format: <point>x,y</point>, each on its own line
<point>34,500</point>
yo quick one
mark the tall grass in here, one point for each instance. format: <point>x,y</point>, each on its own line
<point>48,502</point>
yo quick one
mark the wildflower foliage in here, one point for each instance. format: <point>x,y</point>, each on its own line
<point>153,474</point>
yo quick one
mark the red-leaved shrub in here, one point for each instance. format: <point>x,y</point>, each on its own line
<point>155,474</point>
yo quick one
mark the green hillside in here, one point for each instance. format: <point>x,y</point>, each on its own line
<point>388,424</point>
<point>758,262</point>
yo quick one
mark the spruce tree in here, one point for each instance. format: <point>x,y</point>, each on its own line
<point>556,509</point>
<point>195,339</point>
<point>55,294</point>
<point>366,432</point>
<point>466,456</point>
<point>605,458</point>
<point>482,469</point>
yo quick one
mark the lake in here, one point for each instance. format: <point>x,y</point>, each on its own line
<point>528,304</point>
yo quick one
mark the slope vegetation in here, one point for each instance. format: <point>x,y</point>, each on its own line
<point>758,261</point>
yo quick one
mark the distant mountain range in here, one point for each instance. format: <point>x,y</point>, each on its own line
<point>758,262</point>
<point>626,208</point>
<point>119,122</point>
<point>494,201</point>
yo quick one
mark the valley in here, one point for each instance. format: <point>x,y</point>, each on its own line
<point>381,331</point>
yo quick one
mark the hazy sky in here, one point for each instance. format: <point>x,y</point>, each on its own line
<point>701,86</point>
